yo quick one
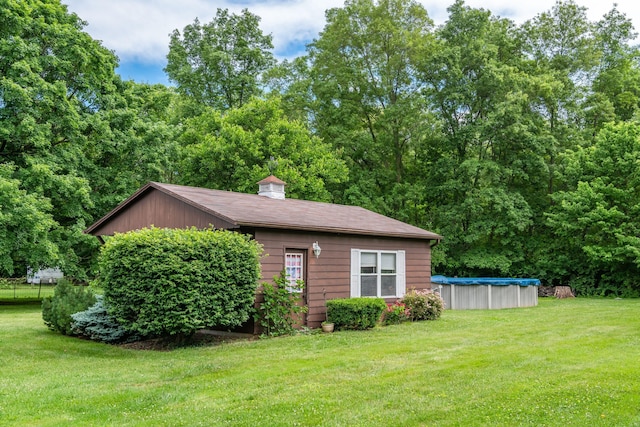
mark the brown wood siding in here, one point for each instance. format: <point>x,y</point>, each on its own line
<point>158,209</point>
<point>329,275</point>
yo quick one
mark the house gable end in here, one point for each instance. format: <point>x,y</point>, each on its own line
<point>152,206</point>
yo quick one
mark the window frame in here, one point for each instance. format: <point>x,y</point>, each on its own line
<point>357,274</point>
<point>292,281</point>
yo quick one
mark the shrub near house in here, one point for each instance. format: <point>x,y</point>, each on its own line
<point>423,304</point>
<point>171,282</point>
<point>355,313</point>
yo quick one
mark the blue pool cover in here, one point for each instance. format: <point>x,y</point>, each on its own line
<point>495,281</point>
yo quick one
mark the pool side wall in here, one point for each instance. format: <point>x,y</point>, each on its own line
<point>468,297</point>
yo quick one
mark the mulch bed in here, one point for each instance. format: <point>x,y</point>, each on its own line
<point>204,338</point>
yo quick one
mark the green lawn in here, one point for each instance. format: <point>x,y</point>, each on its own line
<point>10,292</point>
<point>563,363</point>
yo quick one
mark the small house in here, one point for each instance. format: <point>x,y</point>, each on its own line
<point>339,251</point>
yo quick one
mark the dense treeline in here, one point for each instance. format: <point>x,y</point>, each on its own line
<point>518,143</point>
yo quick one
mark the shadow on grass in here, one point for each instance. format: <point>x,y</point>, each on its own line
<point>21,301</point>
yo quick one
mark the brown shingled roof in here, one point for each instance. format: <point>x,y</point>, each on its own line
<point>251,210</point>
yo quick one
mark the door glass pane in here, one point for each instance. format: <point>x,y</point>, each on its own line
<point>388,286</point>
<point>293,266</point>
<point>368,286</point>
<point>388,263</point>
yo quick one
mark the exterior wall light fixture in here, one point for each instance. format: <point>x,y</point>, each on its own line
<point>316,249</point>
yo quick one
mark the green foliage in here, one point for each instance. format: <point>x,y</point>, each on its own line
<point>597,219</point>
<point>67,299</point>
<point>138,145</point>
<point>97,324</point>
<point>219,63</point>
<point>618,80</point>
<point>25,224</point>
<point>235,150</point>
<point>368,99</point>
<point>281,307</point>
<point>395,313</point>
<point>171,282</point>
<point>63,123</point>
<point>488,168</point>
<point>355,313</point>
<point>423,305</point>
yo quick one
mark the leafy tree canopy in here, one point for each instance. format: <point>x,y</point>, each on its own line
<point>53,78</point>
<point>236,150</point>
<point>219,64</point>
<point>597,218</point>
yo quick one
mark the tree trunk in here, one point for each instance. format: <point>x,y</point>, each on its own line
<point>563,292</point>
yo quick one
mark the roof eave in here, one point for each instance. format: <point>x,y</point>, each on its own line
<point>338,230</point>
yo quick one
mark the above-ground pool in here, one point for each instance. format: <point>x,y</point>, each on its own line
<point>462,293</point>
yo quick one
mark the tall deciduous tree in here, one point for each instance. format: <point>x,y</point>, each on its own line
<point>596,220</point>
<point>25,223</point>
<point>291,82</point>
<point>482,176</point>
<point>136,144</point>
<point>618,77</point>
<point>235,150</point>
<point>219,64</point>
<point>562,53</point>
<point>53,78</point>
<point>368,97</point>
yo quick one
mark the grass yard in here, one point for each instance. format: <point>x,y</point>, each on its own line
<point>563,363</point>
<point>23,292</point>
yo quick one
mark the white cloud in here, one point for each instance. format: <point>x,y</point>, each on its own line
<point>522,11</point>
<point>138,30</point>
<point>293,22</point>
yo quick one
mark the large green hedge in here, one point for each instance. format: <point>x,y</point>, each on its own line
<point>160,282</point>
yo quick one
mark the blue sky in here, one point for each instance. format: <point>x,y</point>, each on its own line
<point>138,30</point>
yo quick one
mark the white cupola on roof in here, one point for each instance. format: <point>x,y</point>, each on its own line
<point>271,187</point>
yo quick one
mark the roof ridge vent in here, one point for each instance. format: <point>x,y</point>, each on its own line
<point>271,187</point>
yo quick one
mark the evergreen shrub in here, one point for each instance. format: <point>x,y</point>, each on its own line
<point>172,282</point>
<point>66,300</point>
<point>355,313</point>
<point>96,324</point>
<point>423,305</point>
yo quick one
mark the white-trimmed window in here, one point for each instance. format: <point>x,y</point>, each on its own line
<point>377,273</point>
<point>293,264</point>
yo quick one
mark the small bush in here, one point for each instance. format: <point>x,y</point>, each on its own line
<point>279,311</point>
<point>396,313</point>
<point>355,313</point>
<point>423,305</point>
<point>66,300</point>
<point>96,324</point>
